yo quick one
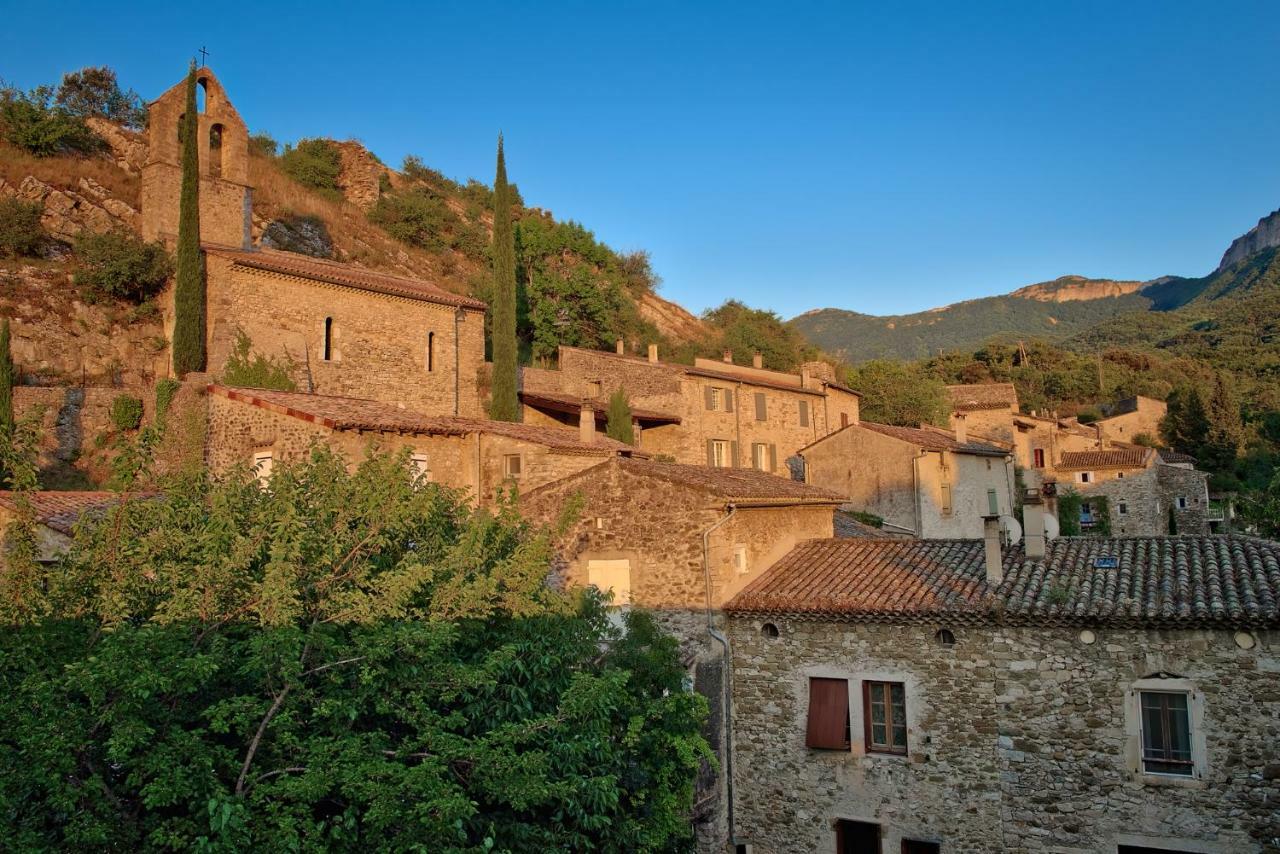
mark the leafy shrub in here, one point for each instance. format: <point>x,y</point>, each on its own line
<point>20,229</point>
<point>94,91</point>
<point>166,390</point>
<point>33,122</point>
<point>420,217</point>
<point>121,265</point>
<point>1146,440</point>
<point>263,144</point>
<point>126,412</point>
<point>247,368</point>
<point>313,163</point>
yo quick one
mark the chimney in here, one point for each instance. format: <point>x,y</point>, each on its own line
<point>587,423</point>
<point>991,547</point>
<point>1097,429</point>
<point>804,376</point>
<point>653,353</point>
<point>620,347</point>
<point>962,429</point>
<point>728,357</point>
<point>1033,525</point>
<point>757,360</point>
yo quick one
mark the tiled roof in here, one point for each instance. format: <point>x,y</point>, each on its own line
<point>738,486</point>
<point>1115,458</point>
<point>571,404</point>
<point>292,264</point>
<point>727,376</point>
<point>61,510</point>
<point>1155,581</point>
<point>847,526</point>
<point>349,413</point>
<point>1174,457</point>
<point>977,396</point>
<point>932,439</point>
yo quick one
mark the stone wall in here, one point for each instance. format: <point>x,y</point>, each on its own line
<point>1139,503</point>
<point>1144,419</point>
<point>1017,739</point>
<point>379,342</point>
<point>874,471</point>
<point>76,426</point>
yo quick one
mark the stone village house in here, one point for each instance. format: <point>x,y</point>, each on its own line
<point>1144,491</point>
<point>923,481</point>
<point>1133,417</point>
<point>1081,695</point>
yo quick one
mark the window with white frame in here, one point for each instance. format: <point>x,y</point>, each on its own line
<point>760,456</point>
<point>1182,502</point>
<point>421,466</point>
<point>262,465</point>
<point>718,453</point>
<point>512,466</point>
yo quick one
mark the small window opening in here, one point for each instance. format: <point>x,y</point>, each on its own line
<point>215,151</point>
<point>769,630</point>
<point>202,95</point>
<point>431,351</point>
<point>945,637</point>
<point>327,350</point>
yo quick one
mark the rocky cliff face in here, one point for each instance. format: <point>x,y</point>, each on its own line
<point>1264,235</point>
<point>361,176</point>
<point>1071,288</point>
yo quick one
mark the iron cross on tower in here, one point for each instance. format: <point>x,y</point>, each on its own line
<point>204,57</point>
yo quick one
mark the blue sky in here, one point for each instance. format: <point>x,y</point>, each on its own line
<point>883,157</point>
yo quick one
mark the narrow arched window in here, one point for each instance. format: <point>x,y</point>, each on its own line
<point>215,151</point>
<point>202,95</point>
<point>431,351</point>
<point>327,350</point>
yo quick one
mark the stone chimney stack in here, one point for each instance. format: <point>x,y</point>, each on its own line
<point>991,547</point>
<point>621,347</point>
<point>653,353</point>
<point>728,357</point>
<point>587,423</point>
<point>804,376</point>
<point>962,429</point>
<point>1033,526</point>
<point>757,360</point>
<point>1097,429</point>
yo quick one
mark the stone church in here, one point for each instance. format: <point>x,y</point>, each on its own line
<point>342,329</point>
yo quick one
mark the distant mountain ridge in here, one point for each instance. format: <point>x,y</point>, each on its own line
<point>1264,235</point>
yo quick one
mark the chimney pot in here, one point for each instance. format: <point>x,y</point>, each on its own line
<point>1033,527</point>
<point>653,353</point>
<point>728,356</point>
<point>621,347</point>
<point>991,549</point>
<point>587,423</point>
<point>757,360</point>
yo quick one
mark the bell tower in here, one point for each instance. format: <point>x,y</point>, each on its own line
<point>223,143</point>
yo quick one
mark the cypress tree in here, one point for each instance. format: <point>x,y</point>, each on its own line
<point>189,291</point>
<point>505,404</point>
<point>619,425</point>
<point>7,377</point>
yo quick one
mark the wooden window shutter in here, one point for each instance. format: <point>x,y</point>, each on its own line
<point>710,394</point>
<point>804,413</point>
<point>762,408</point>
<point>728,400</point>
<point>733,454</point>
<point>773,457</point>
<point>828,726</point>
<point>711,452</point>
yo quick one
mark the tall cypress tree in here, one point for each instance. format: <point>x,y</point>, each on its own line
<point>189,292</point>
<point>505,405</point>
<point>8,375</point>
<point>619,425</point>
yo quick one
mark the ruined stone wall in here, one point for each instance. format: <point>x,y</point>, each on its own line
<point>379,342</point>
<point>1017,739</point>
<point>875,472</point>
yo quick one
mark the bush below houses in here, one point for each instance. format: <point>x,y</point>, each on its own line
<point>126,413</point>
<point>20,229</point>
<point>121,265</point>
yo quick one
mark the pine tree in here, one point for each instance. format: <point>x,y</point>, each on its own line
<point>619,425</point>
<point>189,292</point>
<point>8,375</point>
<point>505,405</point>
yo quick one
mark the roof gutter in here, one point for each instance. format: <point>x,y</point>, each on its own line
<point>726,690</point>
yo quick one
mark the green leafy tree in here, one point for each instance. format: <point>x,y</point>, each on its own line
<point>189,291</point>
<point>247,368</point>
<point>32,122</point>
<point>95,92</point>
<point>121,265</point>
<point>505,403</point>
<point>899,393</point>
<point>619,425</point>
<point>747,331</point>
<point>8,378</point>
<point>314,163</point>
<point>1185,426</point>
<point>348,660</point>
<point>1226,434</point>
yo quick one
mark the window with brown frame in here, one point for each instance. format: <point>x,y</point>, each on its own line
<point>884,716</point>
<point>828,714</point>
<point>1166,733</point>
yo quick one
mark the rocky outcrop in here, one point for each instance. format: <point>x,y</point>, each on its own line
<point>361,176</point>
<point>306,235</point>
<point>672,320</point>
<point>128,148</point>
<point>67,213</point>
<point>1071,288</point>
<point>1264,235</point>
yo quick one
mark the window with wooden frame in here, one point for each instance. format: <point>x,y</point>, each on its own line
<point>762,407</point>
<point>512,466</point>
<point>760,456</point>
<point>946,499</point>
<point>804,413</point>
<point>1037,458</point>
<point>718,399</point>
<point>884,716</point>
<point>828,724</point>
<point>1166,733</point>
<point>722,453</point>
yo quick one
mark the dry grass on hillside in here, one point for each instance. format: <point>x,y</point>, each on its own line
<point>65,172</point>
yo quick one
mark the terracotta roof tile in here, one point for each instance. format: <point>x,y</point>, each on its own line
<point>292,264</point>
<point>1174,458</point>
<point>933,439</point>
<point>977,396</point>
<point>61,510</point>
<point>349,413</point>
<point>569,403</point>
<point>1156,581</point>
<point>736,485</point>
<point>1114,458</point>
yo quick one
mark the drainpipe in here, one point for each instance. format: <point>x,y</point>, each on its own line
<point>727,698</point>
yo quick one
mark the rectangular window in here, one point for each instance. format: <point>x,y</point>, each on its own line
<point>762,407</point>
<point>326,347</point>
<point>946,499</point>
<point>1182,502</point>
<point>421,466</point>
<point>828,727</point>
<point>1085,476</point>
<point>760,456</point>
<point>512,466</point>
<point>718,399</point>
<point>1166,733</point>
<point>916,846</point>
<point>431,351</point>
<point>740,559</point>
<point>262,465</point>
<point>1037,457</point>
<point>1124,509</point>
<point>804,413</point>
<point>857,837</point>
<point>719,453</point>
<point>844,419</point>
<point>884,711</point>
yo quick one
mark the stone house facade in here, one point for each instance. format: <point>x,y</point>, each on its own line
<point>920,480</point>
<point>917,696</point>
<point>1144,494</point>
<point>986,408</point>
<point>1132,417</point>
<point>484,458</point>
<point>711,413</point>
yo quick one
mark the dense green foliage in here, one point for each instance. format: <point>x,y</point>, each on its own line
<point>121,265</point>
<point>418,215</point>
<point>313,163</point>
<point>504,404</point>
<point>166,391</point>
<point>20,230</point>
<point>126,412</point>
<point>263,144</point>
<point>899,393</point>
<point>618,424</point>
<point>35,123</point>
<point>746,331</point>
<point>95,92</point>
<point>8,379</point>
<point>344,661</point>
<point>247,368</point>
<point>190,289</point>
